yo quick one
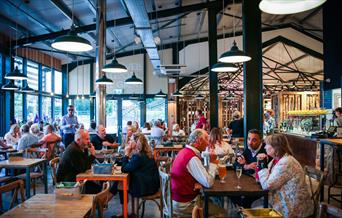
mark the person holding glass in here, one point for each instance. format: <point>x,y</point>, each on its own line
<point>102,140</point>
<point>285,179</point>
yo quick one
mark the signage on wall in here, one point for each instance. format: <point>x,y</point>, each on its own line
<point>327,99</point>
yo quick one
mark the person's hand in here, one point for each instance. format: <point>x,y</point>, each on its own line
<point>241,160</point>
<point>128,149</point>
<point>262,156</point>
<point>106,143</point>
<point>197,186</point>
<point>91,149</point>
<point>70,126</point>
<point>251,166</point>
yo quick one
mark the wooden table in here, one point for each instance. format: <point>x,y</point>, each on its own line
<point>5,152</point>
<point>122,177</point>
<point>27,163</point>
<point>323,142</point>
<point>160,148</point>
<point>45,205</point>
<point>248,184</point>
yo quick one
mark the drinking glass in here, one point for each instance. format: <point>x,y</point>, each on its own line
<point>238,171</point>
<point>222,172</point>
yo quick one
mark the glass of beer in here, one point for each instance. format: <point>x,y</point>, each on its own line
<point>222,172</point>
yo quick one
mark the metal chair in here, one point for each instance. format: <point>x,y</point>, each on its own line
<point>165,186</point>
<point>54,163</point>
<point>336,173</point>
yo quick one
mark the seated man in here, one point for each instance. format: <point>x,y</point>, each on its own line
<point>187,171</point>
<point>27,139</point>
<point>103,139</point>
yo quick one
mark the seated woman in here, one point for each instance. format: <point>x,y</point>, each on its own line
<point>217,146</point>
<point>176,131</point>
<point>13,135</point>
<point>285,180</point>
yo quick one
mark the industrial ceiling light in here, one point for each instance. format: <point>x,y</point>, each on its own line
<point>177,93</point>
<point>16,75</point>
<point>27,89</point>
<point>160,94</point>
<point>234,55</point>
<point>199,97</point>
<point>133,80</point>
<point>288,6</point>
<point>104,80</point>
<point>224,67</point>
<point>9,86</point>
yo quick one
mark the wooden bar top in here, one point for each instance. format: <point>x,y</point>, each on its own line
<point>332,141</point>
<point>45,205</point>
<point>25,162</point>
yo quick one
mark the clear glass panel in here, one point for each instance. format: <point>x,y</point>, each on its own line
<point>82,107</point>
<point>155,109</point>
<point>46,108</point>
<point>58,82</point>
<point>57,109</point>
<point>46,79</point>
<point>18,62</point>
<point>130,111</point>
<point>18,107</point>
<point>112,116</point>
<point>32,108</point>
<point>32,75</point>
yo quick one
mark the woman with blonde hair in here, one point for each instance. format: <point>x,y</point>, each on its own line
<point>13,135</point>
<point>285,180</point>
<point>217,145</point>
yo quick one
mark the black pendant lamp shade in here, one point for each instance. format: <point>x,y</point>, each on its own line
<point>16,75</point>
<point>160,94</point>
<point>133,80</point>
<point>72,42</point>
<point>104,80</point>
<point>234,55</point>
<point>27,89</point>
<point>177,93</point>
<point>114,67</point>
<point>199,97</point>
<point>224,67</point>
<point>9,86</point>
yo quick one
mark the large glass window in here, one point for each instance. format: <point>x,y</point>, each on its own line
<point>18,107</point>
<point>32,75</point>
<point>46,108</point>
<point>82,107</point>
<point>32,108</point>
<point>112,116</point>
<point>46,79</point>
<point>18,62</point>
<point>155,109</point>
<point>130,111</point>
<point>58,82</point>
<point>57,109</point>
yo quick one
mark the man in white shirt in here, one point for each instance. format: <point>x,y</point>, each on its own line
<point>188,175</point>
<point>157,133</point>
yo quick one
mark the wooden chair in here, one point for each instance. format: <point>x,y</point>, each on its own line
<point>165,186</point>
<point>336,173</point>
<point>100,201</point>
<point>54,165</point>
<point>14,187</point>
<point>314,178</point>
<point>327,210</point>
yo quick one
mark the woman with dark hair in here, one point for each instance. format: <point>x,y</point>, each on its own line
<point>285,179</point>
<point>216,144</point>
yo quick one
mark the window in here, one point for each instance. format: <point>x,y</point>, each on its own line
<point>32,108</point>
<point>58,82</point>
<point>112,116</point>
<point>18,107</point>
<point>82,107</point>
<point>32,75</point>
<point>155,109</point>
<point>18,62</point>
<point>57,109</point>
<point>46,79</point>
<point>46,108</point>
<point>130,111</point>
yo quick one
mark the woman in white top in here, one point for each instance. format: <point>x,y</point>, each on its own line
<point>217,146</point>
<point>176,131</point>
<point>13,135</point>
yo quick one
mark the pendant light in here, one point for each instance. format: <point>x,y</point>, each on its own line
<point>160,94</point>
<point>177,93</point>
<point>72,42</point>
<point>234,55</point>
<point>104,80</point>
<point>288,6</point>
<point>9,86</point>
<point>26,87</point>
<point>114,66</point>
<point>199,97</point>
<point>133,80</point>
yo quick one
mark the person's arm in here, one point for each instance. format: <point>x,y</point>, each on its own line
<point>131,165</point>
<point>280,174</point>
<point>197,170</point>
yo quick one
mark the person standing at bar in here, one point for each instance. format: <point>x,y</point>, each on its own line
<point>69,126</point>
<point>201,121</point>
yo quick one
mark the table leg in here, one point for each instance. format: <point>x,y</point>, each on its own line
<point>206,207</point>
<point>266,200</point>
<point>45,177</point>
<point>28,183</point>
<point>125,198</point>
<point>322,168</point>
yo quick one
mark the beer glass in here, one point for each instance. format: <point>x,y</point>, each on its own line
<point>222,172</point>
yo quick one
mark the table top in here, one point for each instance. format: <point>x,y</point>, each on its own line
<point>45,205</point>
<point>7,150</point>
<point>249,186</point>
<point>90,175</point>
<point>169,147</point>
<point>332,141</point>
<point>25,162</point>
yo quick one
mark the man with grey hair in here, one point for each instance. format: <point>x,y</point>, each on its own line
<point>27,139</point>
<point>103,139</point>
<point>188,175</point>
<point>157,133</point>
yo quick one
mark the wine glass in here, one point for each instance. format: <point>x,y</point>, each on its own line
<point>238,171</point>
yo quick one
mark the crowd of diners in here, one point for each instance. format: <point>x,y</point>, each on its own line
<point>284,176</point>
